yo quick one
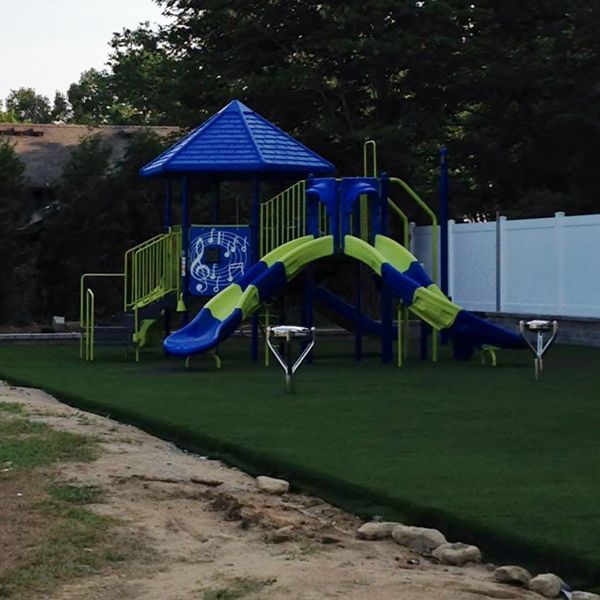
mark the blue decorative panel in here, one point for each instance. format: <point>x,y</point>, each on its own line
<point>219,255</point>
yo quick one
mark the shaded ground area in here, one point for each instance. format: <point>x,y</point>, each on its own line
<point>140,519</point>
<point>487,455</point>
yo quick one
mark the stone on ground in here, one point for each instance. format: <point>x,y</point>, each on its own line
<point>420,539</point>
<point>513,575</point>
<point>457,554</point>
<point>376,530</point>
<point>584,596</point>
<point>546,584</point>
<point>270,485</point>
<point>281,535</point>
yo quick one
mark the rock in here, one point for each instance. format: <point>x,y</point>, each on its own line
<point>547,584</point>
<point>513,575</point>
<point>380,530</point>
<point>584,596</point>
<point>457,554</point>
<point>270,485</point>
<point>283,534</point>
<point>330,539</point>
<point>420,539</point>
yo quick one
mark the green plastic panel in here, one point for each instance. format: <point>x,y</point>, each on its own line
<point>434,308</point>
<point>224,302</point>
<point>272,257</point>
<point>394,253</point>
<point>298,258</point>
<point>364,252</point>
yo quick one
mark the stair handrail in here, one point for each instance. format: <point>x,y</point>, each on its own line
<point>85,293</point>
<point>405,221</point>
<point>434,223</point>
<point>278,213</point>
<point>87,338</point>
<point>373,171</point>
<point>151,269</point>
<point>434,249</point>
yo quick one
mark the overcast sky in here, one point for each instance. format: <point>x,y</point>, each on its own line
<point>46,44</point>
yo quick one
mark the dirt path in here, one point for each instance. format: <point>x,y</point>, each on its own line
<point>213,538</point>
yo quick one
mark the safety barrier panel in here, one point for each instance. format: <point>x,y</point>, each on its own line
<point>152,270</point>
<point>283,217</point>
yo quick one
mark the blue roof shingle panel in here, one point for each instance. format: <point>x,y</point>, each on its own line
<point>237,141</point>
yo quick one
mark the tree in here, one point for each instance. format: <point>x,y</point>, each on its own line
<point>91,97</point>
<point>28,106</point>
<point>512,93</point>
<point>11,217</point>
<point>104,209</point>
<point>61,110</point>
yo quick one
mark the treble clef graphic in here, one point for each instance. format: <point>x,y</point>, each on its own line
<point>197,268</point>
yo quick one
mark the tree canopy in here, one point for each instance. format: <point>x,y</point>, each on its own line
<point>512,92</point>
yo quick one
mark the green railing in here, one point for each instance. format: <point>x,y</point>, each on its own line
<point>86,344</point>
<point>87,318</point>
<point>434,223</point>
<point>152,270</point>
<point>434,256</point>
<point>283,218</point>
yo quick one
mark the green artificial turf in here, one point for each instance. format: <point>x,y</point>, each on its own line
<point>486,454</point>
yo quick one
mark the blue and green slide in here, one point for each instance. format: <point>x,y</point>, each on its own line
<point>397,267</point>
<point>224,313</point>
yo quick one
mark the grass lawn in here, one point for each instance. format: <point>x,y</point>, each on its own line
<point>488,455</point>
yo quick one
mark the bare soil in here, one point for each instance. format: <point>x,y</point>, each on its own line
<point>212,535</point>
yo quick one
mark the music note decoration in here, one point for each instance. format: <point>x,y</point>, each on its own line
<point>218,257</point>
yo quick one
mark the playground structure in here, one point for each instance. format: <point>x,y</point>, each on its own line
<point>245,267</point>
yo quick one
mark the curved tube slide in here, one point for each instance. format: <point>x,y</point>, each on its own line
<point>397,267</point>
<point>224,313</point>
<point>406,277</point>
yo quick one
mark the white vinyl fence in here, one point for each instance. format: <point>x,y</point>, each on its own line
<point>531,266</point>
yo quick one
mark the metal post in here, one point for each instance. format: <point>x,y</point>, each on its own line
<point>387,318</point>
<point>267,327</point>
<point>357,314</point>
<point>387,340</point>
<point>498,262</point>
<point>383,203</point>
<point>443,220</point>
<point>424,335</point>
<point>309,284</point>
<point>184,245</point>
<point>216,204</point>
<point>254,240</point>
<point>168,206</point>
<point>399,342</point>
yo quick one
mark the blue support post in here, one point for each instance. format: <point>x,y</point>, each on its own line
<point>425,329</point>
<point>444,229</point>
<point>184,245</point>
<point>168,206</point>
<point>383,195</point>
<point>387,317</point>
<point>358,336</point>
<point>216,204</point>
<point>444,220</point>
<point>308,310</point>
<point>255,237</point>
<point>387,324</point>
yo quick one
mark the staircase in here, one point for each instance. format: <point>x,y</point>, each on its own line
<point>151,285</point>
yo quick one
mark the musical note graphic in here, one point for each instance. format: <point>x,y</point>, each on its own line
<point>218,257</point>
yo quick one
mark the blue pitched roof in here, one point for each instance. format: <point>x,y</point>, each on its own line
<point>238,142</point>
